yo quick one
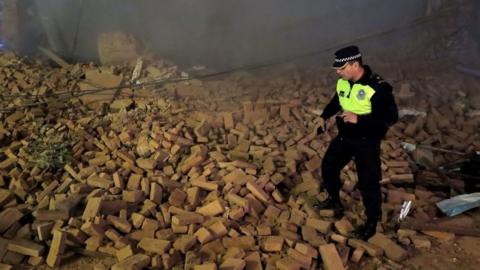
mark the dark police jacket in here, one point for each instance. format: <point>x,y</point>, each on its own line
<point>382,111</point>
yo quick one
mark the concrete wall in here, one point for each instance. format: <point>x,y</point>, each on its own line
<point>222,32</point>
<point>231,33</point>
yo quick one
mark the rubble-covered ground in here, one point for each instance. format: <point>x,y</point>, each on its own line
<point>156,169</point>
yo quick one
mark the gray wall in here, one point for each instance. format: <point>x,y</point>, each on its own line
<point>222,32</point>
<point>231,33</point>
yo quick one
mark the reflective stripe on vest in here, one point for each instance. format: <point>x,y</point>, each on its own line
<point>355,99</point>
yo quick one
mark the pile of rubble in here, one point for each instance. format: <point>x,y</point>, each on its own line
<point>181,179</point>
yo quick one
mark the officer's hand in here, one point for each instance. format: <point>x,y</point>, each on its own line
<point>321,126</point>
<point>349,117</point>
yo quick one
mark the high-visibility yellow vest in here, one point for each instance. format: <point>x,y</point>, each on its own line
<point>355,99</point>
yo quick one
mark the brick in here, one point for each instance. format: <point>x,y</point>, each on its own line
<point>307,250</point>
<point>124,253</point>
<point>3,246</point>
<point>8,217</point>
<point>99,160</point>
<point>185,243</point>
<point>92,229</point>
<point>318,224</point>
<point>193,196</point>
<point>157,246</point>
<point>4,266</point>
<point>421,242</point>
<point>328,213</point>
<point>339,238</point>
<point>306,186</point>
<point>313,164</point>
<point>391,249</point>
<point>25,247</point>
<point>237,213</point>
<point>357,255</point>
<point>244,242</point>
<point>273,244</point>
<point>125,156</point>
<point>57,248</point>
<point>108,249</point>
<point>13,258</point>
<point>137,261</point>
<point>304,261</point>
<point>272,212</point>
<point>442,236</point>
<point>344,227</point>
<point>187,219</point>
<point>134,181</point>
<point>118,180</point>
<point>34,261</point>
<point>289,234</point>
<point>43,230</point>
<point>121,224</point>
<point>237,177</point>
<point>256,207</point>
<point>203,235</point>
<point>72,172</point>
<point>214,247</point>
<point>205,266</point>
<point>146,163</point>
<point>211,209</point>
<point>100,182</point>
<point>330,257</point>
<point>177,198</point>
<point>92,209</point>
<point>137,220</point>
<point>112,235</point>
<point>309,233</point>
<point>47,191</point>
<point>287,264</point>
<point>371,249</point>
<point>253,261</point>
<point>277,196</point>
<point>234,233</point>
<point>264,230</point>
<point>257,191</point>
<point>235,199</point>
<point>297,217</point>
<point>191,161</point>
<point>202,183</point>
<point>133,196</point>
<point>228,122</point>
<point>150,224</point>
<point>5,196</point>
<point>269,166</point>
<point>233,264</point>
<point>404,233</point>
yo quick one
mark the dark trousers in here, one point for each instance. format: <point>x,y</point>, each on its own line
<point>366,154</point>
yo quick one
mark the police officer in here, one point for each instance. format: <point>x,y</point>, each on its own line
<point>365,108</point>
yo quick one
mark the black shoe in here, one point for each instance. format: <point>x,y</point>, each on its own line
<point>336,206</point>
<point>366,231</point>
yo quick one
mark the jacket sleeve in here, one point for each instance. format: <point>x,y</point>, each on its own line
<point>332,108</point>
<point>384,109</point>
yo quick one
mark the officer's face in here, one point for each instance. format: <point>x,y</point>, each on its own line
<point>347,71</point>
